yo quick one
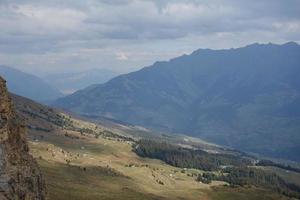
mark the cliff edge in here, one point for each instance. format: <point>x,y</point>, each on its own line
<point>20,176</point>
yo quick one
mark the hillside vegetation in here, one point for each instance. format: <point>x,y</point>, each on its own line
<point>232,169</point>
<point>85,160</point>
<point>187,158</point>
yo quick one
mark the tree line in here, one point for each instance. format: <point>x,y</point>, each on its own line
<point>251,176</point>
<point>230,168</point>
<point>186,158</point>
<point>278,165</point>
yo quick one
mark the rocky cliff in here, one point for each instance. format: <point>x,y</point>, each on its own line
<point>20,176</point>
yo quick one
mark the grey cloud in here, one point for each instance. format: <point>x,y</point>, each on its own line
<point>60,28</point>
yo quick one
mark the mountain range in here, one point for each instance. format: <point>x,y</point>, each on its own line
<point>68,83</point>
<point>247,98</point>
<point>29,85</point>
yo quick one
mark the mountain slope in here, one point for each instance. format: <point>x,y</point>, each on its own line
<point>86,160</point>
<point>247,98</point>
<point>71,82</point>
<point>28,85</point>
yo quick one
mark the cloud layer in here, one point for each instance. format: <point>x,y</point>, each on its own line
<point>125,35</point>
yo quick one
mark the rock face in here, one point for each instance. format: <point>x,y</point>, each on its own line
<point>20,176</point>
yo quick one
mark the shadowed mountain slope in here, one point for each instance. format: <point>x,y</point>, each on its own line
<point>68,83</point>
<point>28,85</point>
<point>247,98</point>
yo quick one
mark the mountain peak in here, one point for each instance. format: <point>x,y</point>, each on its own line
<point>291,44</point>
<point>219,95</point>
<point>253,45</point>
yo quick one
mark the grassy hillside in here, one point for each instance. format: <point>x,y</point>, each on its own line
<point>83,160</point>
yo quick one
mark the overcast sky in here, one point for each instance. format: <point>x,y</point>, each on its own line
<point>124,35</point>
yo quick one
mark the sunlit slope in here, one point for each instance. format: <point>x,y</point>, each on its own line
<point>83,160</point>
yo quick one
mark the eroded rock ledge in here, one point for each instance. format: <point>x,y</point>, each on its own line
<point>20,176</point>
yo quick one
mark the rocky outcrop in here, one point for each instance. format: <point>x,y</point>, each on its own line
<point>20,176</point>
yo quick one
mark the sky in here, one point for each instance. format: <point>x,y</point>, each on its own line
<point>54,36</point>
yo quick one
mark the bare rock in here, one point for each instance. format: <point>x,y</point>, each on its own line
<point>20,176</point>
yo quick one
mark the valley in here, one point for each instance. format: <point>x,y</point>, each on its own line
<point>84,160</point>
<point>149,100</point>
<point>245,98</point>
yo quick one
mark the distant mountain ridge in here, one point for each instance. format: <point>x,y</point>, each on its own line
<point>28,85</point>
<point>246,98</point>
<point>68,83</point>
